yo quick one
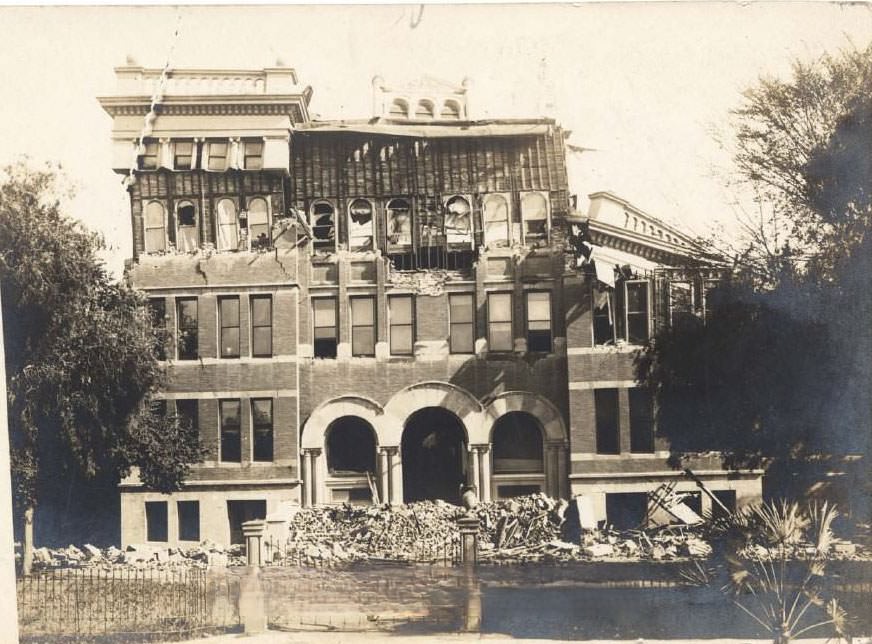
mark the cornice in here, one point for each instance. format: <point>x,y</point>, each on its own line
<point>207,105</point>
<point>622,240</point>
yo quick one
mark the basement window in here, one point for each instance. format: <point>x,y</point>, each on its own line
<point>608,438</point>
<point>325,328</point>
<point>156,523</point>
<point>350,446</point>
<point>189,520</point>
<point>360,225</point>
<point>323,226</point>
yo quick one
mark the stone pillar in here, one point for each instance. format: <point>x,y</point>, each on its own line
<point>253,532</point>
<point>550,488</point>
<point>484,492</point>
<point>306,475</point>
<point>468,525</point>
<point>473,477</point>
<point>562,472</point>
<point>395,468</point>
<point>252,605</point>
<point>315,497</point>
<point>384,475</point>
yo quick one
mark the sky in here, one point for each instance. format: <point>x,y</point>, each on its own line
<point>642,85</point>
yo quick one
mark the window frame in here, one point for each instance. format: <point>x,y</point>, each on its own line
<point>162,227</point>
<point>397,246</point>
<point>252,240</point>
<point>373,326</point>
<point>179,205</point>
<point>222,326</point>
<point>611,304</point>
<point>647,416</point>
<point>246,155</point>
<point>550,320</point>
<point>470,323</point>
<point>509,322</point>
<point>195,355</point>
<point>601,450</point>
<point>191,157</point>
<point>210,158</point>
<point>194,417</point>
<point>150,152</point>
<point>165,531</point>
<point>470,239</point>
<point>234,223</point>
<point>627,313</point>
<point>524,219</point>
<point>190,503</point>
<point>372,216</point>
<point>491,197</point>
<point>335,301</point>
<point>323,244</point>
<point>670,299</point>
<point>251,300</point>
<point>157,309</point>
<point>222,429</point>
<point>255,426</point>
<point>411,324</point>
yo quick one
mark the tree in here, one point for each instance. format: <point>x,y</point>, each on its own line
<point>80,357</point>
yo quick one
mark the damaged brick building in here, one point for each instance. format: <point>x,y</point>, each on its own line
<point>386,307</point>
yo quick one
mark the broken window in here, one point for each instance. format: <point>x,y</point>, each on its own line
<point>603,316</point>
<point>261,326</point>
<point>183,155</point>
<point>156,523</point>
<point>539,321</point>
<point>231,436</point>
<point>155,227</point>
<point>401,312</point>
<point>517,444</point>
<point>534,213</point>
<point>228,320</point>
<point>399,108</point>
<point>228,230</point>
<point>458,221</point>
<point>189,520</point>
<point>323,226</point>
<point>262,429</point>
<point>636,306</point>
<point>499,322</point>
<point>186,216</point>
<point>258,223</point>
<point>608,438</point>
<point>350,446</point>
<point>450,110</point>
<point>253,155</point>
<point>399,222</point>
<point>157,307</point>
<point>641,421</point>
<point>424,110</point>
<point>217,156</point>
<point>461,323</point>
<point>148,160</point>
<point>325,328</point>
<point>363,326</point>
<point>360,229</point>
<point>496,220</point>
<point>626,510</point>
<point>186,328</point>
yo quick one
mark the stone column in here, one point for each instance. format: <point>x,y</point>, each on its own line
<point>485,492</point>
<point>468,525</point>
<point>384,475</point>
<point>306,475</point>
<point>562,472</point>
<point>473,477</point>
<point>313,475</point>
<point>395,468</point>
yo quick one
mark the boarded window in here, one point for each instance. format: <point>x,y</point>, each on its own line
<point>258,223</point>
<point>539,321</point>
<point>186,329</point>
<point>603,317</point>
<point>186,215</point>
<point>325,328</point>
<point>399,221</point>
<point>517,444</point>
<point>148,160</point>
<point>362,326</point>
<point>228,314</point>
<point>261,326</point>
<point>183,155</point>
<point>253,155</point>
<point>189,520</point>
<point>499,322</point>
<point>608,437</point>
<point>231,443</point>
<point>458,221</point>
<point>217,156</point>
<point>636,302</point>
<point>496,220</point>
<point>461,327</point>
<point>155,227</point>
<point>350,446</point>
<point>262,429</point>
<point>156,523</point>
<point>401,311</point>
<point>323,226</point>
<point>360,225</point>
<point>534,213</point>
<point>641,421</point>
<point>228,229</point>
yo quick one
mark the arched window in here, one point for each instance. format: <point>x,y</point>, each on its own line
<point>399,108</point>
<point>323,226</point>
<point>186,218</point>
<point>517,444</point>
<point>534,212</point>
<point>360,231</point>
<point>450,110</point>
<point>228,232</point>
<point>399,223</point>
<point>458,221</point>
<point>350,446</point>
<point>258,223</point>
<point>424,109</point>
<point>155,227</point>
<point>496,219</point>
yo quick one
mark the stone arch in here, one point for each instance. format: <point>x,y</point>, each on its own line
<point>315,428</point>
<point>542,409</point>
<point>438,394</point>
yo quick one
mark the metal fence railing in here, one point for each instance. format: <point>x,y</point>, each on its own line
<point>122,603</point>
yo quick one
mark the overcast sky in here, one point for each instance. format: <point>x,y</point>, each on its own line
<point>641,84</point>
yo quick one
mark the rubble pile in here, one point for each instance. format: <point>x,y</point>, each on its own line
<point>206,554</point>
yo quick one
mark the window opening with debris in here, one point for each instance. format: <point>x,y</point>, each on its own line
<point>350,446</point>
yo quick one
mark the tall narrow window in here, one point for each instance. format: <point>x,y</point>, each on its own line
<point>608,436</point>
<point>228,315</point>
<point>461,323</point>
<point>258,223</point>
<point>157,307</point>
<point>217,155</point>
<point>183,155</point>
<point>189,520</point>
<point>362,326</point>
<point>155,220</point>
<point>401,311</point>
<point>499,322</point>
<point>641,421</point>
<point>156,524</point>
<point>149,158</point>
<point>325,327</point>
<point>186,215</point>
<point>603,317</point>
<point>186,321</point>
<point>496,220</point>
<point>681,303</point>
<point>360,231</point>
<point>539,321</point>
<point>262,429</point>
<point>228,232</point>
<point>231,444</point>
<point>399,224</point>
<point>458,221</point>
<point>261,326</point>
<point>709,288</point>
<point>637,322</point>
<point>188,411</point>
<point>253,159</point>
<point>323,226</point>
<point>534,212</point>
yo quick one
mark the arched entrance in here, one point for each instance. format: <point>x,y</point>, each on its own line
<point>433,456</point>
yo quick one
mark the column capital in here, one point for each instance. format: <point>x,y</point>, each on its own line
<point>312,451</point>
<point>484,448</point>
